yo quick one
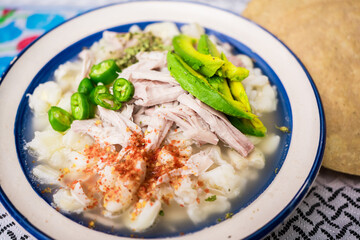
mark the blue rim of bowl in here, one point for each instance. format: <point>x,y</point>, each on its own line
<point>268,226</point>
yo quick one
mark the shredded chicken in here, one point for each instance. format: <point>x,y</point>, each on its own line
<point>120,122</point>
<point>123,179</point>
<point>156,131</point>
<point>115,127</point>
<point>147,93</point>
<point>100,131</point>
<point>153,75</point>
<point>146,61</point>
<point>149,82</point>
<point>219,125</point>
<point>190,123</point>
<point>88,59</point>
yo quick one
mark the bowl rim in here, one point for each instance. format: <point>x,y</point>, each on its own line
<point>294,202</point>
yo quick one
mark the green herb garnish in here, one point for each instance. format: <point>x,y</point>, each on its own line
<point>145,42</point>
<point>211,199</point>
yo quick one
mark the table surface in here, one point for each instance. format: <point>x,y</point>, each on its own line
<point>331,209</point>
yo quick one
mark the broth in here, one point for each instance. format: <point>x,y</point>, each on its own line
<point>175,221</point>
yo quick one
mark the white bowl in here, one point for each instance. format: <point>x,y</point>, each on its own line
<point>288,178</point>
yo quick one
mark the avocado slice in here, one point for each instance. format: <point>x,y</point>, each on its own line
<point>221,85</point>
<point>236,74</point>
<point>206,46</point>
<point>231,72</point>
<point>198,86</point>
<point>204,64</point>
<point>228,70</point>
<point>239,94</point>
<point>252,127</point>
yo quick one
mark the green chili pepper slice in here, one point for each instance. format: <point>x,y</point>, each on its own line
<point>86,86</point>
<point>80,106</point>
<point>92,109</point>
<point>105,72</point>
<point>60,120</point>
<point>96,91</point>
<point>108,101</point>
<point>123,90</point>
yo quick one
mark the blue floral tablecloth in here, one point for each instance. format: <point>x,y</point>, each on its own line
<point>331,209</point>
<point>18,28</point>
